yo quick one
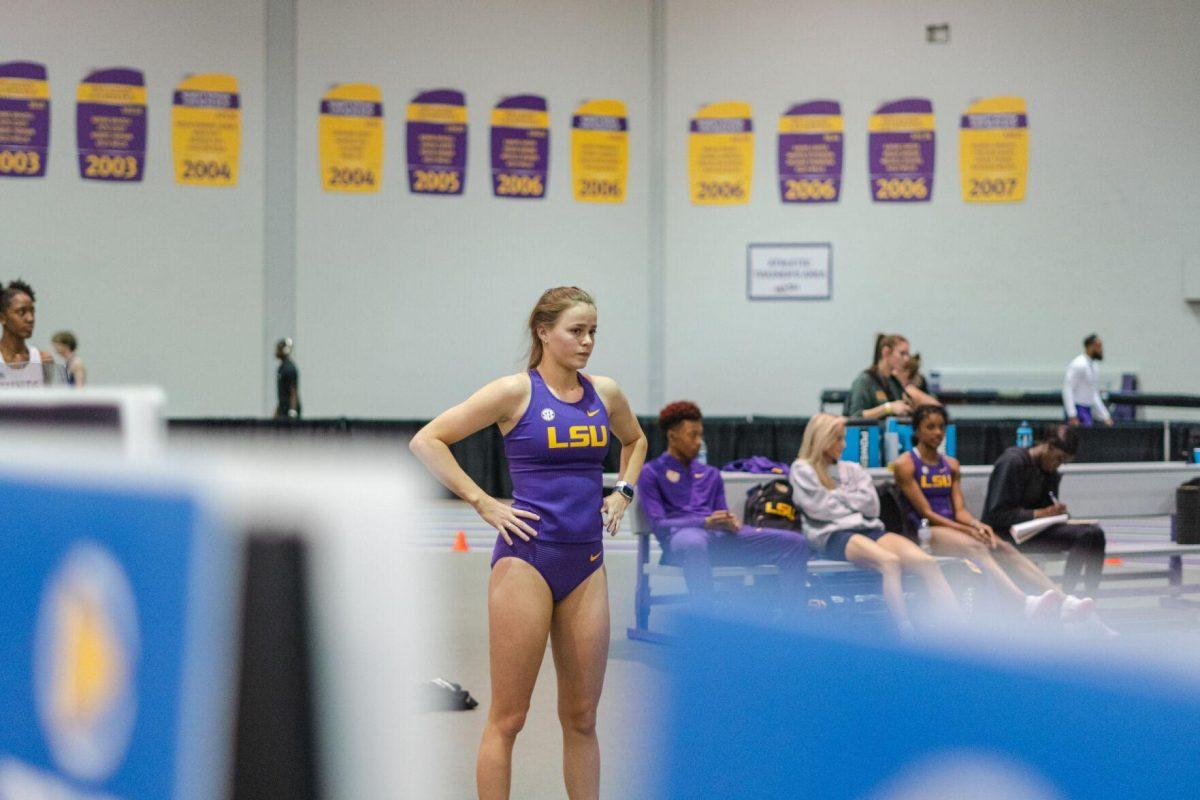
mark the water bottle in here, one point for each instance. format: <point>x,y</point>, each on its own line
<point>935,381</point>
<point>1024,434</point>
<point>891,446</point>
<point>702,456</point>
<point>924,535</point>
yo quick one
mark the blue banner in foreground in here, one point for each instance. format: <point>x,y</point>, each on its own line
<point>116,644</point>
<point>760,712</point>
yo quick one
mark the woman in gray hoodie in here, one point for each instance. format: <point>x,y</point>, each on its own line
<point>841,520</point>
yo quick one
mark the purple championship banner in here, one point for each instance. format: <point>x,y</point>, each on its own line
<point>110,125</point>
<point>520,147</point>
<point>900,151</point>
<point>810,152</point>
<point>24,119</point>
<point>437,142</point>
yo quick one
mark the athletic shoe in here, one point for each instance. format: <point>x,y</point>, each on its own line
<point>1043,608</point>
<point>1075,609</point>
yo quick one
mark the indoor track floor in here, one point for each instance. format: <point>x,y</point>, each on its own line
<point>636,670</point>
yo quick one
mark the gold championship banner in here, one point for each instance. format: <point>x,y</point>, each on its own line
<point>206,130</point>
<point>721,155</point>
<point>600,151</point>
<point>350,138</point>
<point>994,151</point>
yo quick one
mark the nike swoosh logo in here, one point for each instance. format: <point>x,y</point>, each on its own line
<point>593,412</point>
<point>593,558</point>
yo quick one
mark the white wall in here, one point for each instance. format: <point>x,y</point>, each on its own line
<point>1098,244</point>
<point>161,283</point>
<point>406,304</point>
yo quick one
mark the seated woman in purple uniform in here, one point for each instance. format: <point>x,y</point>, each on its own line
<point>841,520</point>
<point>685,502</point>
<point>932,485</point>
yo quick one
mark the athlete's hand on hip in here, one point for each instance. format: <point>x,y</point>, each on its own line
<point>613,509</point>
<point>506,519</point>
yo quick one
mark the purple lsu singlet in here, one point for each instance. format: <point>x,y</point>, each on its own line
<point>556,460</point>
<point>937,484</point>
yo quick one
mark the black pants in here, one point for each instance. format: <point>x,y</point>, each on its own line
<point>1084,546</point>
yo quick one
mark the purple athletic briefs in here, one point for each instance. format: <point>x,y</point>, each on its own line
<point>562,566</point>
<point>937,484</point>
<point>556,460</point>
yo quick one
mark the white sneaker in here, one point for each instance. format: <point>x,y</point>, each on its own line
<point>1075,609</point>
<point>1043,607</point>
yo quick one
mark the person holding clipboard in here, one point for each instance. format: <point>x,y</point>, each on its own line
<point>1023,488</point>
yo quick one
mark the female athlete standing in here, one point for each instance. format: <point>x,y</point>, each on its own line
<point>547,567</point>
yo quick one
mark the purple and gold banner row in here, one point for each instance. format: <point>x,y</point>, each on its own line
<point>901,152</point>
<point>111,135</point>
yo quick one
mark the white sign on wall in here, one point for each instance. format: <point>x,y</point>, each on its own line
<point>789,271</point>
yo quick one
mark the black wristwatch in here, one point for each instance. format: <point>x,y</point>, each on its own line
<point>625,488</point>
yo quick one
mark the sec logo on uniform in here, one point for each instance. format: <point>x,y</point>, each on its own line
<point>86,653</point>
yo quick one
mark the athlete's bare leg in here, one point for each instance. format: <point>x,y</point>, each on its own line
<point>579,635</point>
<point>864,552</point>
<point>916,560</point>
<point>949,542</point>
<point>520,608</point>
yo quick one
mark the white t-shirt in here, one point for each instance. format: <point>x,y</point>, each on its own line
<point>1080,389</point>
<point>23,376</point>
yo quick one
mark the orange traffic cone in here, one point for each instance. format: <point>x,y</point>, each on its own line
<point>460,543</point>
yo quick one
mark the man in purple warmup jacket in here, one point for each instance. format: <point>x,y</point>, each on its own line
<point>685,502</point>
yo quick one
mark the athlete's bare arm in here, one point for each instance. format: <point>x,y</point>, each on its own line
<point>625,427</point>
<point>501,403</point>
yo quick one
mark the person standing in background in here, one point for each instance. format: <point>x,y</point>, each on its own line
<point>1081,395</point>
<point>65,345</point>
<point>287,382</point>
<point>20,365</point>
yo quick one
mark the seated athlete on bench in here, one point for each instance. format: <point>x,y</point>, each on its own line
<point>841,520</point>
<point>684,500</point>
<point>932,485</point>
